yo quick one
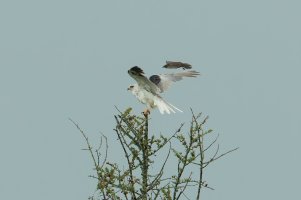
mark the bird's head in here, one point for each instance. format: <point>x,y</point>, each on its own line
<point>134,89</point>
<point>131,87</point>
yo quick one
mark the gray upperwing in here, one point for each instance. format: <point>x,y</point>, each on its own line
<point>164,81</point>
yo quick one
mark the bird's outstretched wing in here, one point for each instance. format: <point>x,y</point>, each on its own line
<point>164,81</point>
<point>143,82</point>
<point>176,64</point>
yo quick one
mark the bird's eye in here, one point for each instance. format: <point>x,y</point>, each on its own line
<point>131,86</point>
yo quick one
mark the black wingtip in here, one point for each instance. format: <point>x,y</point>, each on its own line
<point>136,70</point>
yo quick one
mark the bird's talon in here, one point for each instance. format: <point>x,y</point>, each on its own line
<point>146,112</point>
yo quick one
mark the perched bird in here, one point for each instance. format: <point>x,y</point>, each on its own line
<point>147,90</point>
<point>175,65</point>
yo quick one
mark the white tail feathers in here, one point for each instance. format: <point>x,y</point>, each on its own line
<point>163,106</point>
<point>175,107</point>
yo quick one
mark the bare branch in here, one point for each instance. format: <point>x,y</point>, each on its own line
<point>88,144</point>
<point>214,159</point>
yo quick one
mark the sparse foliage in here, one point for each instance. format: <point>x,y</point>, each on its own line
<point>140,148</point>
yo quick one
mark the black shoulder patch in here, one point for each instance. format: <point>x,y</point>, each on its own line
<point>155,79</point>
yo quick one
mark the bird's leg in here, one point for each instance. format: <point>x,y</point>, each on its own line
<point>146,112</point>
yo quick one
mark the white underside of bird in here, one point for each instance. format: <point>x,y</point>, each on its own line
<point>153,101</point>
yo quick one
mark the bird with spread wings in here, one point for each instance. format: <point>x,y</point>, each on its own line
<point>147,90</point>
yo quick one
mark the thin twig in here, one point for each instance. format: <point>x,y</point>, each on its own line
<point>211,160</point>
<point>185,186</point>
<point>132,182</point>
<point>88,144</point>
<point>158,177</point>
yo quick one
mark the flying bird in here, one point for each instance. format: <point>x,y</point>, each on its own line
<point>147,90</point>
<point>176,65</point>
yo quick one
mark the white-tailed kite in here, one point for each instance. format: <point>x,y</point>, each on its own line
<point>147,90</point>
<point>176,64</point>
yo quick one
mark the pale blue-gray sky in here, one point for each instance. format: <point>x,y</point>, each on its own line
<point>68,58</point>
